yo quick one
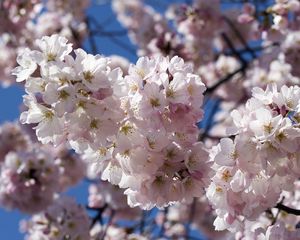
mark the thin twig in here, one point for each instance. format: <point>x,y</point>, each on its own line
<point>98,217</point>
<point>287,209</point>
<point>191,217</point>
<point>118,42</point>
<point>256,49</point>
<point>112,214</point>
<point>143,220</point>
<point>92,41</point>
<point>233,49</point>
<point>162,229</point>
<point>211,89</point>
<point>239,36</point>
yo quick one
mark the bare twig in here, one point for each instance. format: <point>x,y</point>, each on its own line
<point>191,217</point>
<point>98,217</point>
<point>287,209</point>
<point>112,35</point>
<point>227,78</point>
<point>112,214</point>
<point>162,229</point>
<point>92,41</point>
<point>239,36</point>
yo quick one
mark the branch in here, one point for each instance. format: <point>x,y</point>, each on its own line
<point>239,36</point>
<point>113,36</point>
<point>143,220</point>
<point>224,80</point>
<point>162,229</point>
<point>233,49</point>
<point>91,37</point>
<point>112,214</point>
<point>98,217</point>
<point>256,49</point>
<point>191,217</point>
<point>289,210</point>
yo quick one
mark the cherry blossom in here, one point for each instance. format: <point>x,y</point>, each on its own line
<point>200,134</point>
<point>63,219</point>
<point>267,131</point>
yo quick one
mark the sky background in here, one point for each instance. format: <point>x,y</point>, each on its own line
<point>11,98</point>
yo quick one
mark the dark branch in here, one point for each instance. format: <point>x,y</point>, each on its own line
<point>256,49</point>
<point>211,89</point>
<point>233,49</point>
<point>91,38</point>
<point>239,36</point>
<point>143,220</point>
<point>289,210</point>
<point>113,38</point>
<point>162,229</point>
<point>191,218</point>
<point>110,220</point>
<point>98,216</point>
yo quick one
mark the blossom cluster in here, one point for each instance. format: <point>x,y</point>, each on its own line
<point>107,196</point>
<point>139,131</point>
<point>28,181</point>
<point>275,224</point>
<point>212,72</point>
<point>200,29</point>
<point>32,174</point>
<point>22,21</point>
<point>156,149</point>
<point>260,161</point>
<point>135,126</point>
<point>199,25</point>
<point>116,233</point>
<point>144,24</point>
<point>65,219</point>
<point>178,215</point>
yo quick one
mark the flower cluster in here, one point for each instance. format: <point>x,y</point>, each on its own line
<point>76,8</point>
<point>199,25</point>
<point>276,223</point>
<point>156,155</point>
<point>291,48</point>
<point>143,23</point>
<point>180,214</point>
<point>12,139</point>
<point>140,127</point>
<point>136,125</point>
<point>115,232</point>
<point>32,174</point>
<point>104,196</point>
<point>72,168</point>
<point>280,11</point>
<point>261,161</point>
<point>22,21</point>
<point>15,14</point>
<point>62,220</point>
<point>71,98</point>
<point>28,181</point>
